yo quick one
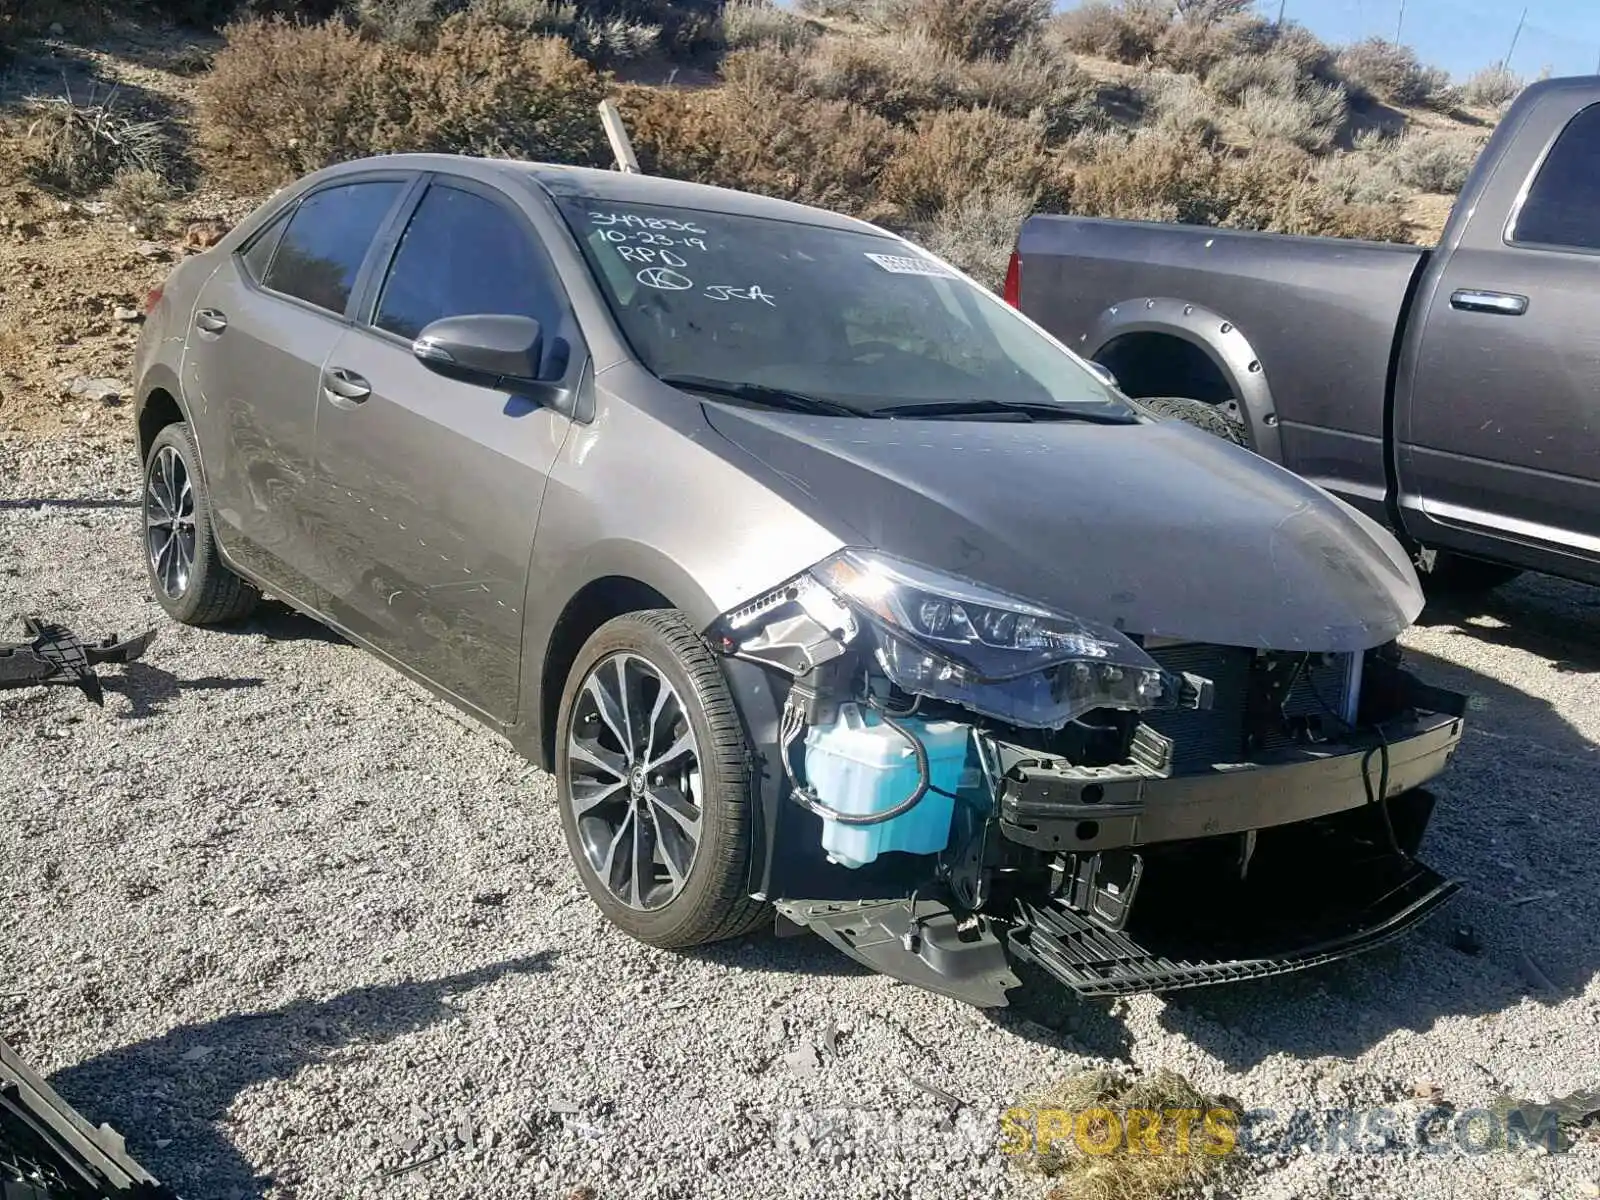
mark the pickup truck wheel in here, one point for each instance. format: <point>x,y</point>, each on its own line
<point>187,575</point>
<point>1197,413</point>
<point>1457,575</point>
<point>653,781</point>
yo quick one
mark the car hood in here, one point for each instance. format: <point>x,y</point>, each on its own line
<point>1158,529</point>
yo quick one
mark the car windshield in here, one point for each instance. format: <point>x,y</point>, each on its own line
<point>764,309</point>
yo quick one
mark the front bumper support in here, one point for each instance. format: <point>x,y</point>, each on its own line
<point>1053,805</point>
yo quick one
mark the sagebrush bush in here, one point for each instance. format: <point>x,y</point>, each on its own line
<point>1178,104</point>
<point>977,233</point>
<point>901,75</point>
<point>1362,176</point>
<point>1126,31</point>
<point>1435,162</point>
<point>1309,117</point>
<point>973,29</point>
<point>1194,43</point>
<point>1232,77</point>
<point>950,154</point>
<point>286,99</point>
<point>1382,70</point>
<point>1310,54</point>
<point>775,142</point>
<point>1492,87</point>
<point>1156,175</point>
<point>748,23</point>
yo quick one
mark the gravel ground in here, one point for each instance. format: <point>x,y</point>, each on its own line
<point>296,930</point>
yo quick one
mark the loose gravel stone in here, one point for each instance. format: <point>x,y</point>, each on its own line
<point>297,931</point>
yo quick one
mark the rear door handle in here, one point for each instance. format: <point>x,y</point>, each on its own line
<point>1504,304</point>
<point>345,388</point>
<point>210,320</point>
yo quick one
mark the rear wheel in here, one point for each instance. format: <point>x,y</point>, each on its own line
<point>187,575</point>
<point>1201,415</point>
<point>653,777</point>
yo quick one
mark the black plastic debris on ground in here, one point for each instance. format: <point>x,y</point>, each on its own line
<point>49,1152</point>
<point>55,655</point>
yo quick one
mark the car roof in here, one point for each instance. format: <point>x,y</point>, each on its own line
<point>616,186</point>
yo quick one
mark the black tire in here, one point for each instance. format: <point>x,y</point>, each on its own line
<point>210,593</point>
<point>1197,413</point>
<point>713,901</point>
<point>1457,575</point>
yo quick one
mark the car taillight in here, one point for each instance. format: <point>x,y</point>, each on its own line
<point>153,298</point>
<point>1012,292</point>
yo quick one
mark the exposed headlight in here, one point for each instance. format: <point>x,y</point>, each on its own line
<point>952,639</point>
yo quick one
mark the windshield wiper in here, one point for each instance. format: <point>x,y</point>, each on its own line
<point>757,393</point>
<point>1026,409</point>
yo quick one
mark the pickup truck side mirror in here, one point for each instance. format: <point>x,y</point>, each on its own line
<point>1102,373</point>
<point>486,349</point>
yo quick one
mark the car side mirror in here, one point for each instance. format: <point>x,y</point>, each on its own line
<point>491,350</point>
<point>1102,372</point>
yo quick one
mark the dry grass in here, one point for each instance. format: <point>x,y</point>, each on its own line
<point>1159,1153</point>
<point>139,197</point>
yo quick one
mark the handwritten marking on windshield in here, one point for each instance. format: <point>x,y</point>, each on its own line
<point>644,254</point>
<point>664,278</point>
<point>721,291</point>
<point>634,221</point>
<point>901,264</point>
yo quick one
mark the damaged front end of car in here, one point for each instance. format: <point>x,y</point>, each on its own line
<point>951,778</point>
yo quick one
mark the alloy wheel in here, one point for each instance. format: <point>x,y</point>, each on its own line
<point>169,522</point>
<point>633,780</point>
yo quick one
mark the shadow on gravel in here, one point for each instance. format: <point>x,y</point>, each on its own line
<point>1553,618</point>
<point>169,1095</point>
<point>276,620</point>
<point>802,954</point>
<point>149,689</point>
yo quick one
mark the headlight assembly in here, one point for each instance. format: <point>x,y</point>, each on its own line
<point>955,640</point>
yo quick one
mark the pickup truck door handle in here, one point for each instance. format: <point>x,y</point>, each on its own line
<point>1503,303</point>
<point>210,320</point>
<point>345,388</point>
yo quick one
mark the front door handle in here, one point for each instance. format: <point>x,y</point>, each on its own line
<point>1503,304</point>
<point>345,388</point>
<point>210,320</point>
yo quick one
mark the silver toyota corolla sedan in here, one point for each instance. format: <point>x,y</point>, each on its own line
<point>823,580</point>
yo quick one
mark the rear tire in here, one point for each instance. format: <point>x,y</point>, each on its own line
<point>1457,575</point>
<point>643,680</point>
<point>187,575</point>
<point>1197,413</point>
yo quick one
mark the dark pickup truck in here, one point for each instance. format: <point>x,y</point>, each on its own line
<point>1452,392</point>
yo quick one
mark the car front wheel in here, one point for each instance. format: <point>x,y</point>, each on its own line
<point>653,775</point>
<point>187,575</point>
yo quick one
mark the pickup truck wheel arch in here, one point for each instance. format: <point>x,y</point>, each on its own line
<point>1128,326</point>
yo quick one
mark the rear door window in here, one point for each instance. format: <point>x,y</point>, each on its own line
<point>463,253</point>
<point>1563,206</point>
<point>259,256</point>
<point>321,251</point>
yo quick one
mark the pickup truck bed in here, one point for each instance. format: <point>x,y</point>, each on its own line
<point>1453,393</point>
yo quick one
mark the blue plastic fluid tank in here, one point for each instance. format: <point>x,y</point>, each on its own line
<point>858,765</point>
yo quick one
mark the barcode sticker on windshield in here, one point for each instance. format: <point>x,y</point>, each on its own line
<point>902,264</point>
